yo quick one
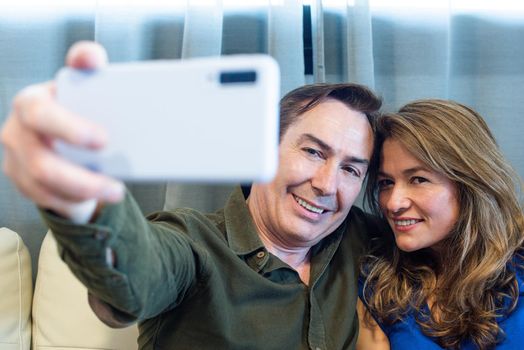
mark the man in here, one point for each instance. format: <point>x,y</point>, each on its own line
<point>275,269</point>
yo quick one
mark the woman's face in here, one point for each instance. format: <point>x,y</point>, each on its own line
<point>420,204</point>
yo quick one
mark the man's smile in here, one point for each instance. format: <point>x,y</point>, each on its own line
<point>309,206</point>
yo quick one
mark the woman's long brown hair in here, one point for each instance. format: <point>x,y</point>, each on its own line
<point>469,289</point>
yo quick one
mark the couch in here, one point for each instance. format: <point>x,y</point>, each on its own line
<point>55,315</point>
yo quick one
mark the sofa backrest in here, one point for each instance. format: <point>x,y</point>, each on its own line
<point>16,291</point>
<point>62,317</point>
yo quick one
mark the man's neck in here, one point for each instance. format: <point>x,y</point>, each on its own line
<point>298,258</point>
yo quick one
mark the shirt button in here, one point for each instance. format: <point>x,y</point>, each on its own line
<point>110,257</point>
<point>261,254</point>
<point>100,235</point>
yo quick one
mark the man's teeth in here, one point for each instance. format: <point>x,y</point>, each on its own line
<point>405,222</point>
<point>309,206</point>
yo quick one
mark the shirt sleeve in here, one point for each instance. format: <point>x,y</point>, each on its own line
<point>133,268</point>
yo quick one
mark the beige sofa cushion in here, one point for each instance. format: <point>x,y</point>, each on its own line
<point>62,317</point>
<point>16,288</point>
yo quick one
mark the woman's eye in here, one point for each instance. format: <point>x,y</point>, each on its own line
<point>418,180</point>
<point>384,183</point>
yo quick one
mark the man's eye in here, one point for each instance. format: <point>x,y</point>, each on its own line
<point>312,152</point>
<point>351,170</point>
<point>384,183</point>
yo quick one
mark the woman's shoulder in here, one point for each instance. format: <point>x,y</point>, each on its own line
<point>519,272</point>
<point>513,323</point>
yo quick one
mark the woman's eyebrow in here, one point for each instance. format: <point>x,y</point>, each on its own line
<point>406,172</point>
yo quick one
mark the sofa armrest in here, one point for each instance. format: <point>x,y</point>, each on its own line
<point>62,317</point>
<point>16,288</point>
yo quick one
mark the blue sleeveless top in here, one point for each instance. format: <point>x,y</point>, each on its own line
<point>406,334</point>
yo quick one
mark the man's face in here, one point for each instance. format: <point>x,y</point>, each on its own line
<point>324,157</point>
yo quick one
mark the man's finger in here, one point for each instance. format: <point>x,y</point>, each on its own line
<point>72,182</point>
<point>77,211</point>
<point>37,109</point>
<point>86,55</point>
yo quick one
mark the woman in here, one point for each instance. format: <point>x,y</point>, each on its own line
<point>451,274</point>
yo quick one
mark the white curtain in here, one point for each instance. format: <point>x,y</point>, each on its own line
<point>35,37</point>
<point>420,49</point>
<point>408,50</point>
<point>204,28</point>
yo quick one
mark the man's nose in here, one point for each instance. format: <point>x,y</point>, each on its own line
<point>397,199</point>
<point>326,180</point>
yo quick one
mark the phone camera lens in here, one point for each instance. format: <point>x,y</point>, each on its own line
<point>238,77</point>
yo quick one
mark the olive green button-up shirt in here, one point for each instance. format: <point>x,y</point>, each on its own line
<point>206,281</point>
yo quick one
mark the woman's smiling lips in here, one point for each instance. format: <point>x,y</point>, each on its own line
<point>405,223</point>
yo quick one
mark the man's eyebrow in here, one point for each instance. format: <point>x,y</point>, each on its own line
<point>328,149</point>
<point>309,137</point>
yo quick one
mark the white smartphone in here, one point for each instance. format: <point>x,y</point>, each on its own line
<point>195,120</point>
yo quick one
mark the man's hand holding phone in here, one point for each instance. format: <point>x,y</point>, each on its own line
<point>36,122</point>
<point>199,120</point>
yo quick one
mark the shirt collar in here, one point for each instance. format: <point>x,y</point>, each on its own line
<point>241,231</point>
<point>243,238</point>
